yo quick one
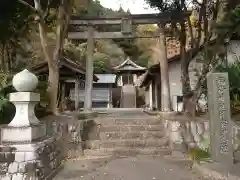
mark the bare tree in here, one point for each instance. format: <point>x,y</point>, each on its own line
<point>64,9</point>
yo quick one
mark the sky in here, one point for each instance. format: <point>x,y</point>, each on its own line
<point>135,6</point>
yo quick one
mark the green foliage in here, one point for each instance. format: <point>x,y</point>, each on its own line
<point>230,25</point>
<point>15,22</point>
<point>13,18</point>
<point>7,109</point>
<point>233,71</point>
<point>42,90</point>
<point>165,5</point>
<point>108,53</point>
<point>101,62</point>
<point>197,154</point>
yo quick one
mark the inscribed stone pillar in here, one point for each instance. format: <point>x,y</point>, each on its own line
<point>221,146</point>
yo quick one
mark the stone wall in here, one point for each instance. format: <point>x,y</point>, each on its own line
<point>70,129</point>
<point>39,160</point>
<point>189,132</point>
<point>43,158</point>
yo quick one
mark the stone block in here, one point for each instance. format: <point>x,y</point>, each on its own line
<point>3,167</point>
<point>23,134</point>
<point>13,168</point>
<point>30,156</point>
<point>18,176</point>
<point>22,167</point>
<point>6,177</point>
<point>24,97</point>
<point>29,159</point>
<point>19,157</point>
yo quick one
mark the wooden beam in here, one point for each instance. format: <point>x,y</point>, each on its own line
<point>119,21</point>
<point>136,19</point>
<point>109,35</point>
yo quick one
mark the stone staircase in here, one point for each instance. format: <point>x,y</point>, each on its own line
<point>127,134</point>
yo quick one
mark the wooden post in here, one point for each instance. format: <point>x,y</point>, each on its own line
<point>110,97</point>
<point>89,71</point>
<point>77,86</point>
<point>151,96</point>
<point>63,92</point>
<point>156,94</point>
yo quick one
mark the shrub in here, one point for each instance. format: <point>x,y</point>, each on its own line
<point>233,71</point>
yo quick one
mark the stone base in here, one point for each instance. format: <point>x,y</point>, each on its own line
<point>87,115</point>
<point>31,161</point>
<point>217,171</point>
<point>23,134</point>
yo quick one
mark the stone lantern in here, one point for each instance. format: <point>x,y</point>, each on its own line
<point>25,126</point>
<point>25,151</point>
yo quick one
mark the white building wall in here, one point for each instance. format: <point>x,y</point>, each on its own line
<point>233,54</point>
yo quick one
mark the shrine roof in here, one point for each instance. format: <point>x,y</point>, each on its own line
<point>67,69</point>
<point>129,65</point>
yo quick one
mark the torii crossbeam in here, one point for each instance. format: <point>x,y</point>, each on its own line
<point>125,22</point>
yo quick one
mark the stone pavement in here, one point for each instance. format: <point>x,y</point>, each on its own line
<point>131,168</point>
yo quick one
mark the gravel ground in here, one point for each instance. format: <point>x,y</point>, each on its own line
<point>131,168</point>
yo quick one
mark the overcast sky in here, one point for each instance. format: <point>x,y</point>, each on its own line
<point>135,6</point>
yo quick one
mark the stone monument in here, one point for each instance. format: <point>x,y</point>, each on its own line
<point>25,151</point>
<point>221,136</point>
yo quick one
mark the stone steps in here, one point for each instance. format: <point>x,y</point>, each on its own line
<point>142,135</point>
<point>141,120</point>
<point>128,143</point>
<point>124,152</point>
<point>127,135</point>
<point>130,128</point>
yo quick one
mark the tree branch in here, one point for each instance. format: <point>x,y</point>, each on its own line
<point>198,3</point>
<point>28,5</point>
<point>47,9</point>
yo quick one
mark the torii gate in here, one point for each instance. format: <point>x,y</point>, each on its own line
<point>125,22</point>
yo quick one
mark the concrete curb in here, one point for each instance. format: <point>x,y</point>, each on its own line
<point>210,173</point>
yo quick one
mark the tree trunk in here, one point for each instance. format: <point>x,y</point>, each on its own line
<point>186,87</point>
<point>161,52</point>
<point>53,59</point>
<point>53,79</point>
<point>4,58</point>
<point>9,58</point>
<point>53,76</point>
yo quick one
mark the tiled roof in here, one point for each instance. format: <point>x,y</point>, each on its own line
<point>128,65</point>
<point>173,46</point>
